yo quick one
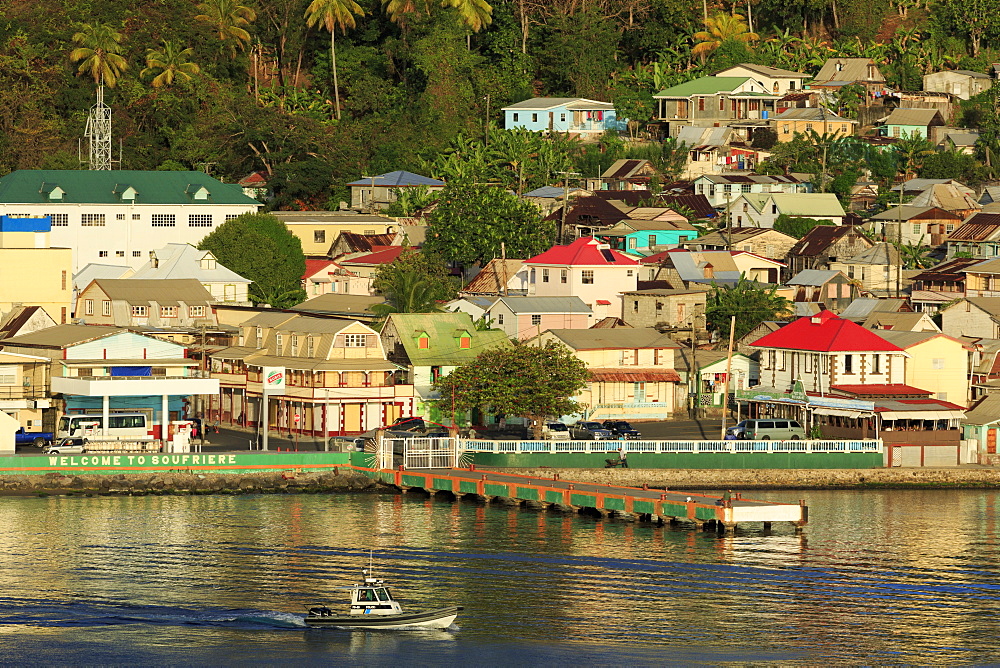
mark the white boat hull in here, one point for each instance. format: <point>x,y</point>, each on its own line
<point>432,619</point>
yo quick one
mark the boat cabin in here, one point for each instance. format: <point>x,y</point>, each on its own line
<point>373,598</point>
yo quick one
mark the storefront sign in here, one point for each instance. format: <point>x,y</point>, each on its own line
<point>274,379</point>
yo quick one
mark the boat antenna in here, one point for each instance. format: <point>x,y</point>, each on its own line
<point>371,567</point>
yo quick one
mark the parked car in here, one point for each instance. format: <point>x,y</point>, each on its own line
<point>39,439</point>
<point>408,424</point>
<point>68,446</point>
<point>767,430</point>
<point>555,431</point>
<point>619,428</point>
<point>590,431</point>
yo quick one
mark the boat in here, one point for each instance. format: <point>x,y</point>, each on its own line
<point>374,608</point>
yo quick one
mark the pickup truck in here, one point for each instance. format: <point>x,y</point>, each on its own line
<point>39,439</point>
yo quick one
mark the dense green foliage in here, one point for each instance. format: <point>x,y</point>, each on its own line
<point>524,381</point>
<point>258,246</point>
<point>751,303</point>
<point>797,227</point>
<point>414,283</point>
<point>471,221</point>
<point>235,87</point>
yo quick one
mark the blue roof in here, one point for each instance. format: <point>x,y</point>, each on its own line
<point>398,179</point>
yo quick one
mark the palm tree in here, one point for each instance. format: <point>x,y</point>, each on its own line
<point>333,14</point>
<point>228,20</point>
<point>168,63</point>
<point>475,14</point>
<point>721,28</point>
<point>412,292</point>
<point>99,53</point>
<point>399,10</point>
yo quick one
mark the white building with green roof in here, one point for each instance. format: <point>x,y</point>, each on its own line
<point>711,101</point>
<point>121,215</point>
<point>763,209</point>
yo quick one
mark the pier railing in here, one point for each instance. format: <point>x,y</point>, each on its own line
<point>644,447</point>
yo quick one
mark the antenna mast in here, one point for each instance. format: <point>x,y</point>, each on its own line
<point>98,133</point>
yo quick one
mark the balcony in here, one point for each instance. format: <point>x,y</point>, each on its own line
<point>134,386</point>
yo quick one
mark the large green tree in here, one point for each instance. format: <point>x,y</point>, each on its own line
<point>751,302</point>
<point>529,381</point>
<point>471,222</point>
<point>415,283</point>
<point>258,246</point>
<point>229,20</point>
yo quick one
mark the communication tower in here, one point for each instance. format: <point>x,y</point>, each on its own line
<point>98,133</point>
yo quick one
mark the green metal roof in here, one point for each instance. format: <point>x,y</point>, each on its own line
<point>32,186</point>
<point>703,86</point>
<point>443,331</point>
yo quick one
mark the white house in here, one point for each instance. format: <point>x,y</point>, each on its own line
<point>186,261</point>
<point>772,79</point>
<point>587,269</point>
<point>763,210</point>
<point>722,189</point>
<point>119,216</point>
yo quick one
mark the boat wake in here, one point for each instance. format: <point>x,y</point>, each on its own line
<point>88,614</point>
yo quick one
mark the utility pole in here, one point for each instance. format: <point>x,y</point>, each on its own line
<point>371,196</point>
<point>565,206</point>
<point>729,372</point>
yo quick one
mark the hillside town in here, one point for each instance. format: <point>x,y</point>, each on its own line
<point>862,304</point>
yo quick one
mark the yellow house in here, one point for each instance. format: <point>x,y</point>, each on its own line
<point>317,230</point>
<point>32,273</point>
<point>822,121</point>
<point>937,363</point>
<point>632,375</point>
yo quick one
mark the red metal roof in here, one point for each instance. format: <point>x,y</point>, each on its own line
<point>825,332</point>
<point>315,266</point>
<point>604,302</point>
<point>586,252</point>
<point>384,256</point>
<point>880,390</point>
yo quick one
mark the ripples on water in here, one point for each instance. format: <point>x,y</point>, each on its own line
<point>878,577</point>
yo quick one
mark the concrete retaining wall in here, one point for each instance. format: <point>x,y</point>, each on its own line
<point>715,479</point>
<point>132,464</point>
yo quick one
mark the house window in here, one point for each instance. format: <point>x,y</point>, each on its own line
<point>651,240</point>
<point>534,118</point>
<point>848,363</point>
<point>916,228</point>
<point>232,216</point>
<point>587,276</point>
<point>196,311</point>
<point>895,131</point>
<point>701,188</point>
<point>784,128</point>
<point>295,345</point>
<point>138,311</point>
<point>635,306</point>
<point>136,253</point>
<point>514,117</point>
<point>168,311</point>
<point>8,375</point>
<point>278,342</point>
<point>562,118</point>
<point>319,236</point>
<point>563,276</point>
<point>949,228</point>
<point>632,242</point>
<point>499,318</point>
<point>119,253</point>
<point>465,342</point>
<point>639,391</point>
<point>876,364</point>
<point>545,275</point>
<point>136,216</point>
<point>88,307</point>
<point>745,188</point>
<point>92,220</point>
<point>119,216</point>
<point>59,219</point>
<point>536,320</point>
<point>722,104</point>
<point>423,343</point>
<point>310,346</point>
<point>106,307</point>
<point>701,104</point>
<point>199,220</point>
<point>659,308</point>
<point>937,363</point>
<point>358,340</point>
<point>102,253</point>
<point>774,209</point>
<point>163,220</point>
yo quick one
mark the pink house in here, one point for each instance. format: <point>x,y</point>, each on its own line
<point>524,317</point>
<point>326,276</point>
<point>588,269</point>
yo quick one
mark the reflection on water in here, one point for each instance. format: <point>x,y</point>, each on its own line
<point>878,576</point>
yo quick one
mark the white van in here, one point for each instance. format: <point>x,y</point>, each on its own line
<point>120,425</point>
<point>555,431</point>
<point>771,429</point>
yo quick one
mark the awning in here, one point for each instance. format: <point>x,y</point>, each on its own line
<point>922,415</point>
<point>840,412</point>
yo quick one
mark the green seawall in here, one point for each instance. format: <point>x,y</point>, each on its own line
<point>225,462</point>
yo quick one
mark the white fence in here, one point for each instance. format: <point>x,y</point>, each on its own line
<point>508,447</point>
<point>426,453</point>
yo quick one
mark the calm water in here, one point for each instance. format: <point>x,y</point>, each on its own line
<point>878,577</point>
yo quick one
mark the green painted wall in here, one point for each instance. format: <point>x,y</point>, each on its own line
<point>707,460</point>
<point>112,464</point>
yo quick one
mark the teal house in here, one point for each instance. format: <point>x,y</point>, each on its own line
<point>906,122</point>
<point>646,237</point>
